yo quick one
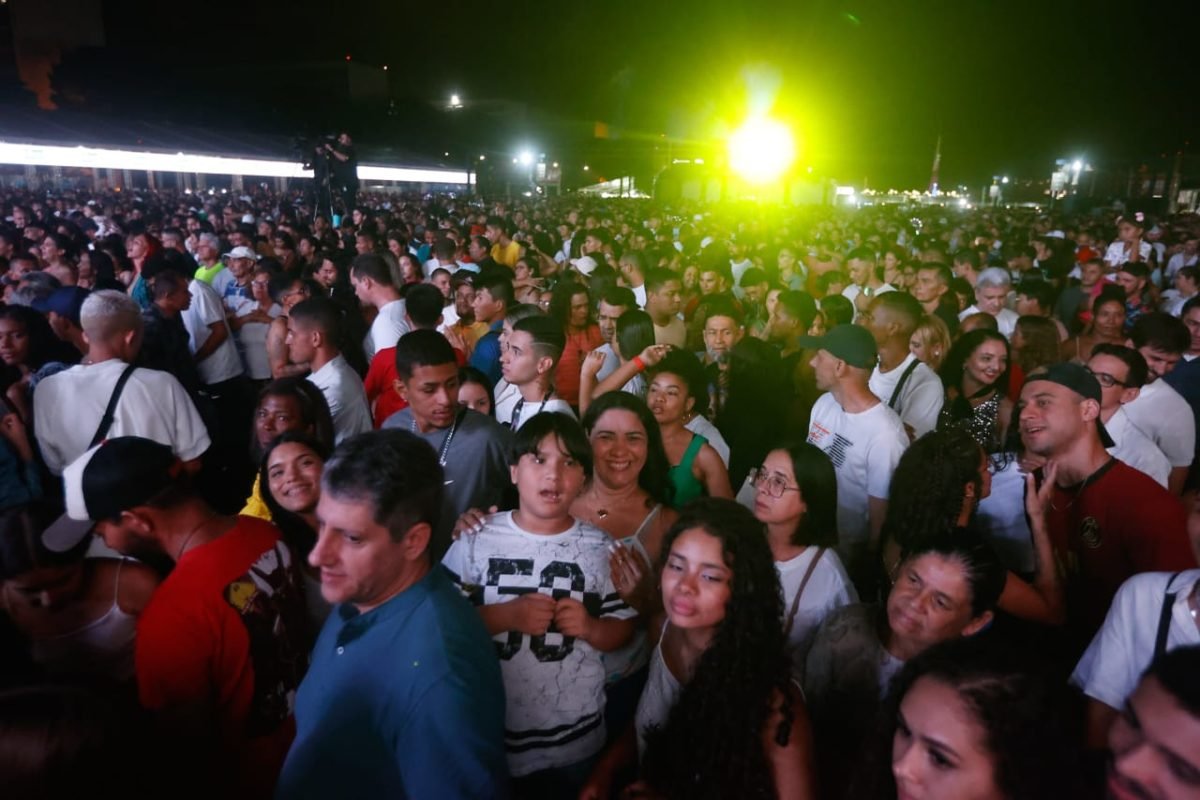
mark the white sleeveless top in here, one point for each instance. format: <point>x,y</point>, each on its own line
<point>658,697</point>
<point>625,661</point>
<point>103,647</point>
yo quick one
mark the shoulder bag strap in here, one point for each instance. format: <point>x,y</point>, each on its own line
<point>812,565</point>
<point>900,383</point>
<point>1164,619</point>
<point>109,413</point>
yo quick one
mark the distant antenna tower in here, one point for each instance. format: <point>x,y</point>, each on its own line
<point>937,163</point>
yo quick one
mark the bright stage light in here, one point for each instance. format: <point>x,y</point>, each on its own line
<point>99,158</point>
<point>526,157</point>
<point>761,150</point>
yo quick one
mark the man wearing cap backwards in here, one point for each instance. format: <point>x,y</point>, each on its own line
<point>1107,520</point>
<point>68,406</point>
<point>223,643</point>
<point>862,437</point>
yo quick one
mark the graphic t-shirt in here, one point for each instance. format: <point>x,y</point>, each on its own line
<point>227,631</point>
<point>864,448</point>
<point>1118,524</point>
<point>554,683</point>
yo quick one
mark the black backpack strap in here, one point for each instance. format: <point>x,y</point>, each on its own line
<point>1164,619</point>
<point>109,413</point>
<point>904,376</point>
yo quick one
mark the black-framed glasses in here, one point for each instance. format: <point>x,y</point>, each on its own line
<point>1106,380</point>
<point>775,484</point>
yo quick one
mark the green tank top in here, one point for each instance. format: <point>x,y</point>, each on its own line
<point>687,487</point>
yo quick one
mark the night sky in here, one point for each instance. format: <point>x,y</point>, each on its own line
<point>870,84</point>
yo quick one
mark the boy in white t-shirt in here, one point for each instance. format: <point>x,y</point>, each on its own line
<point>862,437</point>
<point>527,362</point>
<point>541,581</point>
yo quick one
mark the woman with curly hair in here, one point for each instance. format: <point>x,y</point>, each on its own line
<point>974,720</point>
<point>937,487</point>
<point>719,717</point>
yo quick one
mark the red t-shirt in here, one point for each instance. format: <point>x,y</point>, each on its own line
<point>566,374</point>
<point>1120,524</point>
<point>380,384</point>
<point>227,634</point>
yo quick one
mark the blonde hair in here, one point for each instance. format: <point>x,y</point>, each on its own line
<point>935,336</point>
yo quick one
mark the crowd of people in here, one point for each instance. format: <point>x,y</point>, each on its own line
<point>592,498</point>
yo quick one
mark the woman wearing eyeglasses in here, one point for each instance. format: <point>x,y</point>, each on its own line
<point>795,497</point>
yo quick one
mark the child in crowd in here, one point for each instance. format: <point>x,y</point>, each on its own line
<point>541,581</point>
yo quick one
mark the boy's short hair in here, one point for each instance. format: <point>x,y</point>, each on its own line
<point>565,428</point>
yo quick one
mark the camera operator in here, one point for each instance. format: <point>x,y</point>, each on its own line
<point>343,169</point>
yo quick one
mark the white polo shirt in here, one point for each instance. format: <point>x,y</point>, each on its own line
<point>1006,319</point>
<point>1165,417</point>
<point>347,399</point>
<point>1135,448</point>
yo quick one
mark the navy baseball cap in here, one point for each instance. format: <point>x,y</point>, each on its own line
<point>65,301</point>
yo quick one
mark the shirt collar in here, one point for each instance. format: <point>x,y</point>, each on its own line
<point>395,611</point>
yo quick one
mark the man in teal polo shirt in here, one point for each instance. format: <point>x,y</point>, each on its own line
<point>404,696</point>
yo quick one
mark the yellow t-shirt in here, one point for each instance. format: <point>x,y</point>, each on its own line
<point>506,255</point>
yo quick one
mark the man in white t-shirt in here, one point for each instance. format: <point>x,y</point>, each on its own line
<point>910,388</point>
<point>1159,411</point>
<point>1121,373</point>
<point>1189,256</point>
<point>210,338</point>
<point>68,406</point>
<point>1150,611</point>
<point>528,364</point>
<point>372,279</point>
<point>862,437</point>
<point>312,336</point>
<point>991,296</point>
<point>633,275</point>
<point>864,279</point>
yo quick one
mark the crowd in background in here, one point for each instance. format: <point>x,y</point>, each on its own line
<point>597,498</point>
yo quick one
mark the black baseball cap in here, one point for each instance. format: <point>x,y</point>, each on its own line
<point>1079,380</point>
<point>114,476</point>
<point>853,344</point>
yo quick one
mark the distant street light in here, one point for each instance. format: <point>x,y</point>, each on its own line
<point>455,101</point>
<point>586,167</point>
<point>482,158</point>
<point>1004,179</point>
<point>526,157</point>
